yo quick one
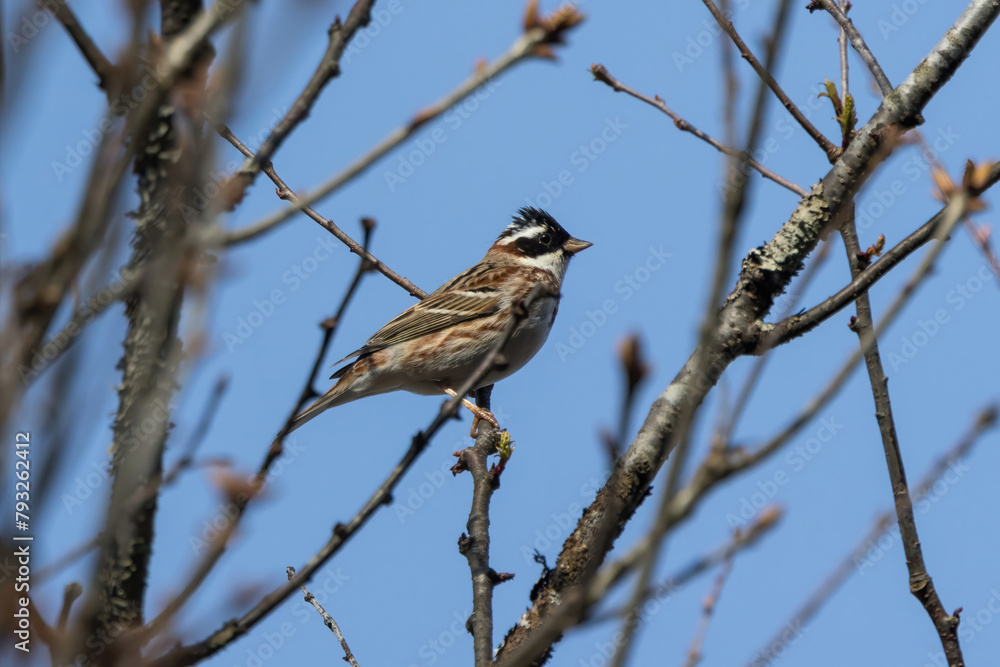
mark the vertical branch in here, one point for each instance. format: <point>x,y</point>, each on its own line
<point>475,545</point>
<point>921,585</point>
<point>152,354</point>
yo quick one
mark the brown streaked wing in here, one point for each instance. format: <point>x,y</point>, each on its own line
<point>438,311</point>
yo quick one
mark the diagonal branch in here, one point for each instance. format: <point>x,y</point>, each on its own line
<point>921,584</point>
<point>91,52</point>
<point>857,41</point>
<point>328,69</point>
<point>284,192</point>
<point>601,74</point>
<point>832,151</point>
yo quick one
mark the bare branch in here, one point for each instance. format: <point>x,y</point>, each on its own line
<point>708,610</point>
<point>832,151</point>
<point>840,16</point>
<point>328,69</point>
<point>476,545</point>
<point>284,192</point>
<point>601,74</point>
<point>945,219</point>
<point>921,584</point>
<point>327,619</point>
<point>91,52</point>
<point>578,600</point>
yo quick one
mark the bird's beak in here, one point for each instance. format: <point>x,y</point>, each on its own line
<point>574,246</point>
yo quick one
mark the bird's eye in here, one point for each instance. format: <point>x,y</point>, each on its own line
<point>545,239</point>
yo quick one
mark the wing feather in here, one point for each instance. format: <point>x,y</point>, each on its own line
<point>461,299</point>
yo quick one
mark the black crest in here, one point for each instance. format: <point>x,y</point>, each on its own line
<point>536,232</point>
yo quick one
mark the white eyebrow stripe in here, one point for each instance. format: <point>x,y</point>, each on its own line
<point>523,234</point>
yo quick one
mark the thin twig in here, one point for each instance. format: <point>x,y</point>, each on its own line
<point>328,69</point>
<point>534,42</point>
<point>985,419</point>
<point>327,619</point>
<point>601,73</point>
<point>200,431</point>
<point>840,16</point>
<point>842,45</point>
<point>98,62</point>
<point>708,610</point>
<point>284,192</point>
<point>832,151</point>
<point>921,584</point>
<point>329,327</point>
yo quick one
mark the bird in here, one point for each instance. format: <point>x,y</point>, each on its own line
<point>436,345</point>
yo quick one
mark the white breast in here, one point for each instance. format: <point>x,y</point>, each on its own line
<point>528,339</point>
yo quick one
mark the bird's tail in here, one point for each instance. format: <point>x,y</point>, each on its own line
<point>334,397</point>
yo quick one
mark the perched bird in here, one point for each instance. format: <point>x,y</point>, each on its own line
<point>436,345</point>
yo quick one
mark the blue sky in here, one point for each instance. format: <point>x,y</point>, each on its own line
<point>616,173</point>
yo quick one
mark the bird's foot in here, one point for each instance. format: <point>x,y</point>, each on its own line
<point>478,414</point>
